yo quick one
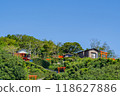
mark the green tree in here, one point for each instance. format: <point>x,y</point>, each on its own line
<point>7,41</point>
<point>103,47</point>
<point>70,47</point>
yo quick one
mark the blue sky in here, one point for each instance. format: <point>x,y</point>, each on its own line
<point>63,20</point>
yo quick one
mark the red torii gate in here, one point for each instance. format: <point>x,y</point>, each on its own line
<point>33,76</point>
<point>61,68</point>
<point>103,53</point>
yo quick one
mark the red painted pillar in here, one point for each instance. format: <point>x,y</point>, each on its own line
<point>101,54</point>
<point>106,55</point>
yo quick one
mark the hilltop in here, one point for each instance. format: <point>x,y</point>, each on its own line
<point>46,62</point>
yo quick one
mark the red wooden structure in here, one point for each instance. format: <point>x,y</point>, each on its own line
<point>60,56</point>
<point>20,54</point>
<point>32,76</point>
<point>113,58</point>
<point>103,53</point>
<point>23,56</point>
<point>59,68</point>
<point>48,59</point>
<point>26,59</point>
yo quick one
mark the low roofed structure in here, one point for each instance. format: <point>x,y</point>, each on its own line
<point>23,54</point>
<point>92,53</point>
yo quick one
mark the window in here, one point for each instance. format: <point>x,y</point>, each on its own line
<point>93,55</point>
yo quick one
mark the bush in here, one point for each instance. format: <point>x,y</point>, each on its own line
<point>12,67</point>
<point>38,70</point>
<point>43,63</point>
<point>90,69</point>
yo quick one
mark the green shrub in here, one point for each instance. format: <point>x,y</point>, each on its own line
<point>90,69</point>
<point>41,62</point>
<point>12,67</point>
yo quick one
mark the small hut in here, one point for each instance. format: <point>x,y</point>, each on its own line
<point>23,54</point>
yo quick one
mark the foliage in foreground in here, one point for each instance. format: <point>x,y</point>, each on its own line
<point>34,69</point>
<point>14,68</point>
<point>89,69</point>
<point>11,67</point>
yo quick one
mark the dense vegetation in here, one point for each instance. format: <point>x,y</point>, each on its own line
<point>38,48</point>
<point>89,69</point>
<point>12,67</point>
<point>45,62</point>
<point>15,68</point>
<point>34,69</point>
<point>44,48</point>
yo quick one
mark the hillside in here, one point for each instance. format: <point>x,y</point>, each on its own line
<point>45,63</point>
<point>15,68</point>
<point>89,69</point>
